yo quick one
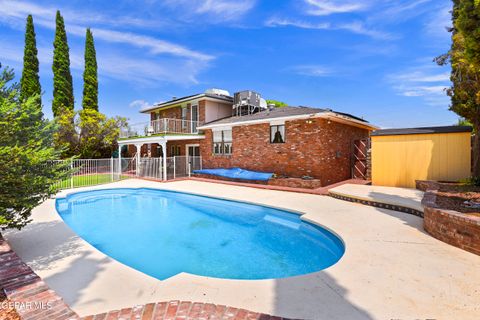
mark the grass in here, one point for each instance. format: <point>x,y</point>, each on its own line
<point>88,180</point>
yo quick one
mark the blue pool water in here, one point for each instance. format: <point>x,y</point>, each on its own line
<point>163,233</point>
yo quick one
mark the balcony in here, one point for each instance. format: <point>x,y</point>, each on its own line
<point>159,127</point>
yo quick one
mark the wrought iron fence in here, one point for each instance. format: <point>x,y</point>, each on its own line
<point>88,172</point>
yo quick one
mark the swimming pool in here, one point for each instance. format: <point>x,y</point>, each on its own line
<point>163,233</point>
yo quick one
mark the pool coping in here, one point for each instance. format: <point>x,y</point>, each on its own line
<point>325,283</point>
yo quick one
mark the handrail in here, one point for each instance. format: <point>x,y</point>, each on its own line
<point>160,126</point>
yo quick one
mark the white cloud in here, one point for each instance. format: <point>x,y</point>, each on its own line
<point>354,27</point>
<point>139,104</point>
<point>311,70</point>
<point>328,7</point>
<point>439,22</point>
<point>14,13</point>
<point>216,10</point>
<point>428,82</point>
<point>280,22</point>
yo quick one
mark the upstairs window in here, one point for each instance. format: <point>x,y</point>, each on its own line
<point>222,142</point>
<point>277,134</point>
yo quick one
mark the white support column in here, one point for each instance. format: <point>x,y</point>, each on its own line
<point>120,162</point>
<point>137,165</point>
<point>164,159</point>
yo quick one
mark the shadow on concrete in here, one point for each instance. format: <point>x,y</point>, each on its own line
<point>61,250</point>
<point>76,277</point>
<point>332,305</point>
<point>41,252</point>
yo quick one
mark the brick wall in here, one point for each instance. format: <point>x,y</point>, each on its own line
<point>320,149</point>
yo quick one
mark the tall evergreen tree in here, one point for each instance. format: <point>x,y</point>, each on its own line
<point>90,82</point>
<point>464,57</point>
<point>62,78</point>
<point>30,81</point>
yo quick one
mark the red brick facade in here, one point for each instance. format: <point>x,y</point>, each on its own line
<point>316,147</point>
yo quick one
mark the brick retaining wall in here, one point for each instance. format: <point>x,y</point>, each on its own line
<point>461,230</point>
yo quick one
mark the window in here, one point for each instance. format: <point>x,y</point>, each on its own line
<point>174,151</point>
<point>277,134</point>
<point>222,142</point>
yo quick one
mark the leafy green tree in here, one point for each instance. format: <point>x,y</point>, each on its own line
<point>62,78</point>
<point>30,81</point>
<point>463,122</point>
<point>27,177</point>
<point>278,104</point>
<point>88,134</point>
<point>90,82</point>
<point>464,57</point>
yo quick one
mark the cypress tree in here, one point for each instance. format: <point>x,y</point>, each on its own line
<point>30,81</point>
<point>90,82</point>
<point>62,78</point>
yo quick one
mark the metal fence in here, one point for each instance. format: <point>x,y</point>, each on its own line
<point>88,172</point>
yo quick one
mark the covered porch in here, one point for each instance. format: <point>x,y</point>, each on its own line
<point>160,157</point>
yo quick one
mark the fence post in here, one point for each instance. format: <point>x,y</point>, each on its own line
<point>71,174</point>
<point>189,168</point>
<point>174,167</point>
<point>111,169</point>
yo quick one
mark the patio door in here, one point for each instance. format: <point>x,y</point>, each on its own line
<point>193,156</point>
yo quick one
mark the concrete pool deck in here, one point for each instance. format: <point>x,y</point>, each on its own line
<point>391,268</point>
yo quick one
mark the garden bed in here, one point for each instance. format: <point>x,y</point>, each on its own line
<point>451,214</point>
<point>280,182</point>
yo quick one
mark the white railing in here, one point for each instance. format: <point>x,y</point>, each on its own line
<point>160,126</point>
<point>89,172</point>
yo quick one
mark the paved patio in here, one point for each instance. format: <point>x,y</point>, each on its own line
<point>403,197</point>
<point>391,268</point>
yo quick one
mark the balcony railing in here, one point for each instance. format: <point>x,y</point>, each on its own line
<point>160,126</point>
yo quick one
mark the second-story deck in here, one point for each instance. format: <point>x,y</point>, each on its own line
<point>159,127</point>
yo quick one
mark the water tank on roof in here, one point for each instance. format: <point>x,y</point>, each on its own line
<point>219,92</point>
<point>247,102</point>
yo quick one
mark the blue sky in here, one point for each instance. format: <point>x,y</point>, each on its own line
<point>371,58</point>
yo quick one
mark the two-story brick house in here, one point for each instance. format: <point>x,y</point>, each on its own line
<point>291,141</point>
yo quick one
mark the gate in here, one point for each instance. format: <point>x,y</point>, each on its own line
<point>359,165</point>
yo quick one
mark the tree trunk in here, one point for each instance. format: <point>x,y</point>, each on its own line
<point>476,150</point>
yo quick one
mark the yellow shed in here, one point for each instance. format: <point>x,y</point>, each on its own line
<point>401,156</point>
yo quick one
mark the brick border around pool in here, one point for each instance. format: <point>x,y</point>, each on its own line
<point>31,296</point>
<point>34,300</point>
<point>176,310</point>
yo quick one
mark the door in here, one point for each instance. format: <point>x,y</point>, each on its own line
<point>193,157</point>
<point>359,165</point>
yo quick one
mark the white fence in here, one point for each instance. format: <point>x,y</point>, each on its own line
<point>88,172</point>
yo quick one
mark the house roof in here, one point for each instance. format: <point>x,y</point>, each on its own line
<point>188,98</point>
<point>284,112</point>
<point>423,130</point>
